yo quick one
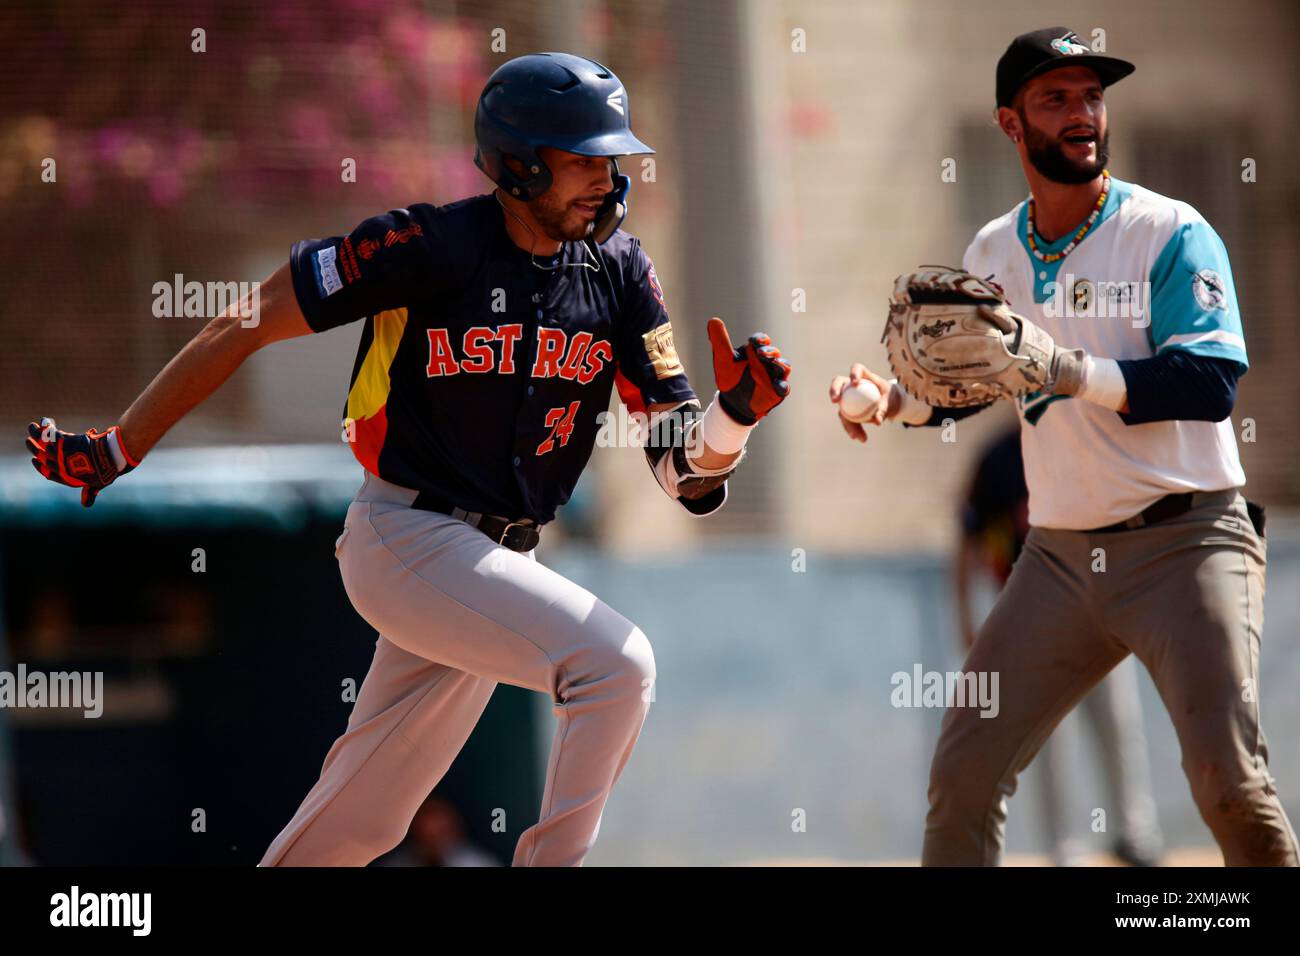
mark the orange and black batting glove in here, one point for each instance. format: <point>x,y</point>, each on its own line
<point>91,462</point>
<point>753,379</point>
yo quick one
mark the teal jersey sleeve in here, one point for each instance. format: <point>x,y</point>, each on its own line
<point>1193,300</point>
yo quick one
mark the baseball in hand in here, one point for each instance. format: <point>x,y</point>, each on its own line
<point>858,402</point>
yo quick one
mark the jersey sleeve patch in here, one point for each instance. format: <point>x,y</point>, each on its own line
<point>661,352</point>
<point>324,266</point>
<point>384,263</point>
<point>655,287</point>
<point>1193,298</point>
<point>647,356</point>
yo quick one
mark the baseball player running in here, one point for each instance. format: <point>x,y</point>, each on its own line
<point>495,329</point>
<point>1140,539</point>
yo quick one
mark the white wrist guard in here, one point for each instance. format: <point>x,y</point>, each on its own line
<point>1103,383</point>
<point>720,431</point>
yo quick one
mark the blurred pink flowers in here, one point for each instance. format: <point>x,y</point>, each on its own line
<point>286,90</point>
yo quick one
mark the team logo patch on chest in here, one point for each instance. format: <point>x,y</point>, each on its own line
<point>1084,291</point>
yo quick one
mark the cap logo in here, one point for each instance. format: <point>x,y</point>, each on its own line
<point>615,101</point>
<point>1068,45</point>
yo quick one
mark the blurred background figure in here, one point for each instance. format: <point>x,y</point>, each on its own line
<point>437,838</point>
<point>994,523</point>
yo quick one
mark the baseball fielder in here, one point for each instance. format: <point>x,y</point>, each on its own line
<point>1140,539</point>
<point>495,330</point>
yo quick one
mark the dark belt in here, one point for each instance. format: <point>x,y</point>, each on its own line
<point>1163,509</point>
<point>516,535</point>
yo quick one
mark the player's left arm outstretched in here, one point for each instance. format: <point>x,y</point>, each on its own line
<point>93,460</point>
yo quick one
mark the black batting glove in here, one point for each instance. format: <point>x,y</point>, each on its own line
<point>84,461</point>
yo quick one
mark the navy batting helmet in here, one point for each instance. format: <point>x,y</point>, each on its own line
<point>559,100</point>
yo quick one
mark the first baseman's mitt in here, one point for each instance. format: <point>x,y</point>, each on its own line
<point>953,341</point>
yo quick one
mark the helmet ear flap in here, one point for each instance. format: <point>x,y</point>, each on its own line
<point>492,161</point>
<point>612,210</point>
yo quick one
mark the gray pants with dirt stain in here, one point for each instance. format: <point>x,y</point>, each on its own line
<point>1186,596</point>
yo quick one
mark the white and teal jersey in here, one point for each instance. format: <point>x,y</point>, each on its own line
<point>1151,275</point>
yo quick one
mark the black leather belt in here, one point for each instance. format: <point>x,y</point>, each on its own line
<point>519,536</point>
<point>1170,506</point>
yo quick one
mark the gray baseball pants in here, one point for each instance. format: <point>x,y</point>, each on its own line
<point>1186,596</point>
<point>1113,712</point>
<point>456,614</point>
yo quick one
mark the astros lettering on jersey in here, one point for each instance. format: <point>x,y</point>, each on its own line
<point>452,308</point>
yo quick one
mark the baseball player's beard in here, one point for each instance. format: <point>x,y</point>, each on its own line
<point>557,220</point>
<point>1048,157</point>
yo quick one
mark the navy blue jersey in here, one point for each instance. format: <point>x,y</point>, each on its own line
<point>479,377</point>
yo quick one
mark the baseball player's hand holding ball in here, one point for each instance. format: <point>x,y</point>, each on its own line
<point>753,379</point>
<point>90,461</point>
<point>864,398</point>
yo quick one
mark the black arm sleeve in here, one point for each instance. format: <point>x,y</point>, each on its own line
<point>1179,386</point>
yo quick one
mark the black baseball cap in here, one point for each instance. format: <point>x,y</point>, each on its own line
<point>1033,54</point>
